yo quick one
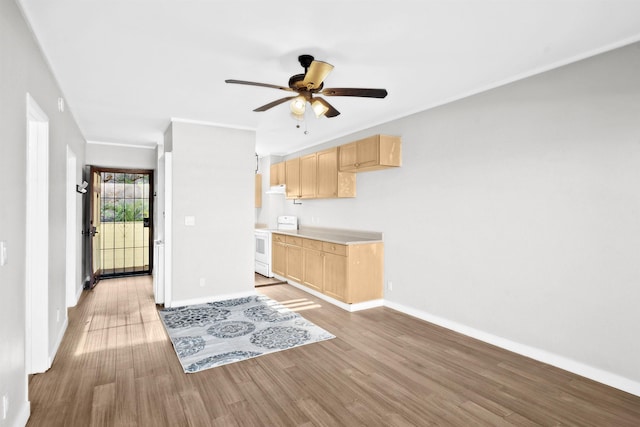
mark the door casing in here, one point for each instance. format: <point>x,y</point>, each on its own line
<point>37,357</point>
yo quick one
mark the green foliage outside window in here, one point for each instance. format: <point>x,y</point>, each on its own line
<point>124,211</point>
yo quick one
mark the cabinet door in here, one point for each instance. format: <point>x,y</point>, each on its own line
<point>335,276</point>
<point>294,263</point>
<point>258,190</point>
<point>328,173</point>
<point>278,258</point>
<point>276,174</point>
<point>313,263</point>
<point>368,152</point>
<point>348,157</point>
<point>292,176</point>
<point>308,170</point>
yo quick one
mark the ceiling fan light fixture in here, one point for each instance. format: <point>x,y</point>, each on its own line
<point>319,108</point>
<point>298,105</point>
<point>297,117</point>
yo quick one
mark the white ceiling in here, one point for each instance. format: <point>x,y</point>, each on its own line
<point>127,67</point>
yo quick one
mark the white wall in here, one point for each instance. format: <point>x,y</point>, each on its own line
<point>121,156</point>
<point>25,70</point>
<point>213,181</point>
<point>516,214</point>
<point>272,204</point>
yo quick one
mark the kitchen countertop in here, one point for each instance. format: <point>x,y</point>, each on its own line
<point>333,235</point>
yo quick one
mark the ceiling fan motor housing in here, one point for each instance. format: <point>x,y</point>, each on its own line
<point>296,83</point>
<point>305,61</point>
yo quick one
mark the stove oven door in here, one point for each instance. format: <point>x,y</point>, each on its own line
<point>263,253</point>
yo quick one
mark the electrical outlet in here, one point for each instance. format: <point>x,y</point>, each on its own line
<point>390,285</point>
<point>202,282</point>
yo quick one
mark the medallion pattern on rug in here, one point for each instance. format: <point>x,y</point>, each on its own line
<point>214,334</point>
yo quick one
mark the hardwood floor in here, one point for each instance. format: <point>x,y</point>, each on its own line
<point>116,367</point>
<point>261,280</point>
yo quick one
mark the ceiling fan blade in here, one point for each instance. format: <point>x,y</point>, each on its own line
<point>274,103</point>
<point>316,74</point>
<point>244,82</point>
<point>331,112</point>
<point>365,93</point>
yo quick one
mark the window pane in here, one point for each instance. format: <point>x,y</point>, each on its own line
<point>107,259</point>
<point>119,258</point>
<point>128,258</point>
<point>129,210</point>
<point>138,253</point>
<point>107,235</point>
<point>128,234</point>
<point>108,213</point>
<point>119,235</point>
<point>139,233</point>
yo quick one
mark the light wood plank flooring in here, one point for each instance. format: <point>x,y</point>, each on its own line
<point>261,280</point>
<point>116,367</point>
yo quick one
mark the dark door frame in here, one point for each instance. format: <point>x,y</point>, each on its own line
<point>89,232</point>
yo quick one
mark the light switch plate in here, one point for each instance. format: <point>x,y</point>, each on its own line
<point>189,220</point>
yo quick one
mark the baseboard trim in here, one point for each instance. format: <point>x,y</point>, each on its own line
<point>348,307</point>
<point>584,370</point>
<point>78,294</point>
<point>213,298</point>
<point>58,341</point>
<point>22,417</point>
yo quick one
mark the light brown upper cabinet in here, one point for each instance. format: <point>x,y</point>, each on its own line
<point>308,178</point>
<point>372,153</point>
<point>292,175</point>
<point>276,174</point>
<point>316,176</point>
<point>332,183</point>
<point>300,174</point>
<point>258,190</point>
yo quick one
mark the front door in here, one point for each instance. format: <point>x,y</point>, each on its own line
<point>121,227</point>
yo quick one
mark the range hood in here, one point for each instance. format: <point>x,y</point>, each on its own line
<point>277,189</point>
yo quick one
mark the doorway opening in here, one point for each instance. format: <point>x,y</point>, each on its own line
<point>122,226</point>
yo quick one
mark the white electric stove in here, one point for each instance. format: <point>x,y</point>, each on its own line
<point>263,243</point>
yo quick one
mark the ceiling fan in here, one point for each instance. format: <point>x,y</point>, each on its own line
<point>308,86</point>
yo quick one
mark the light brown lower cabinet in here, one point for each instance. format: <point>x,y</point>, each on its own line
<point>294,258</point>
<point>312,264</point>
<point>348,273</point>
<point>335,280</point>
<point>279,257</point>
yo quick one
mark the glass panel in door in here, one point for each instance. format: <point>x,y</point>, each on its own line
<point>126,223</point>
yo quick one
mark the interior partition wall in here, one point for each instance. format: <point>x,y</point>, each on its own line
<point>126,224</point>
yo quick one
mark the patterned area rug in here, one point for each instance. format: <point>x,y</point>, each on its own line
<point>208,335</point>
